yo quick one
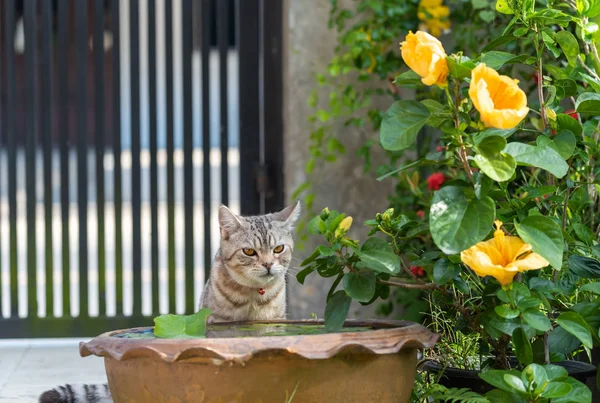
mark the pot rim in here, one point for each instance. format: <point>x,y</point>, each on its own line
<point>388,337</point>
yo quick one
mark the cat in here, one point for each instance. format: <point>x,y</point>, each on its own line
<point>247,282</point>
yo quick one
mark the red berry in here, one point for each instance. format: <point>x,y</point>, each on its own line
<point>420,214</point>
<point>261,291</point>
<point>420,272</point>
<point>573,114</point>
<point>435,181</point>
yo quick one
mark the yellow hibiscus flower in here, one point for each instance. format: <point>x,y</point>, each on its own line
<point>425,56</point>
<point>499,100</point>
<point>502,257</point>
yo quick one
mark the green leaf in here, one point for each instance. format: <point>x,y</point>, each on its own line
<point>456,222</point>
<point>377,255</point>
<point>561,341</point>
<point>526,303</point>
<point>444,271</point>
<point>573,323</point>
<point>585,267</point>
<point>460,69</point>
<point>487,15</point>
<point>181,326</point>
<point>584,233</point>
<point>537,320</point>
<point>401,124</point>
<point>301,276</point>
<point>556,389</point>
<point>478,138</point>
<point>588,102</point>
<point>535,372</point>
<point>360,286</point>
<point>579,393</point>
<point>494,163</point>
<point>496,59</point>
<point>495,377</point>
<point>336,311</point>
<point>591,287</point>
<point>555,372</point>
<point>315,254</point>
<point>506,312</point>
<point>498,42</point>
<point>540,157</point>
<point>515,382</point>
<point>569,45</point>
<point>522,345</point>
<point>408,79</point>
<point>502,6</point>
<point>545,236</point>
<point>439,112</point>
<point>567,122</point>
<point>564,143</point>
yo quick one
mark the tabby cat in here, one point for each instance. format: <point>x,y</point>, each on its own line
<point>247,282</point>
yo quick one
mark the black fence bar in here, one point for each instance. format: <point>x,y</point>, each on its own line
<point>99,133</point>
<point>272,39</point>
<point>62,75</point>
<point>205,48</point>
<point>170,151</point>
<point>9,126</point>
<point>153,151</point>
<point>116,128</point>
<point>12,155</point>
<point>46,129</point>
<point>134,40</point>
<point>81,55</point>
<point>61,97</point>
<point>247,20</point>
<point>188,167</point>
<point>223,41</point>
<point>29,18</point>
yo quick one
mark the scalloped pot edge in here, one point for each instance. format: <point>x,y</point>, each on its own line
<point>387,337</point>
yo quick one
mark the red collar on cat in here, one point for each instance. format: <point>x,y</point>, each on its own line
<point>261,291</point>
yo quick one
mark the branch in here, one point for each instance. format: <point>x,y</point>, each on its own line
<point>424,286</point>
<point>586,68</point>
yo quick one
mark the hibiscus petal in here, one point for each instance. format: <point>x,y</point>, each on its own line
<point>532,261</point>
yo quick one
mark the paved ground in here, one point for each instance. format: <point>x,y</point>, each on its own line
<point>27,368</point>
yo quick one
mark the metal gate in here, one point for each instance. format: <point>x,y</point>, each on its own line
<point>124,124</point>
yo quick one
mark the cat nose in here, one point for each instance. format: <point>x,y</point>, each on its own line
<point>268,266</point>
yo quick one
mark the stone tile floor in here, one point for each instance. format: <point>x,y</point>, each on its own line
<point>29,367</point>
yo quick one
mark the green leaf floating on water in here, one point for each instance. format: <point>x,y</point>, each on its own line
<point>181,326</point>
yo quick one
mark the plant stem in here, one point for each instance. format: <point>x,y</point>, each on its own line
<point>540,83</point>
<point>462,153</point>
<point>424,286</point>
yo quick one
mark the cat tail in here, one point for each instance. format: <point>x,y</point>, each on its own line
<point>77,394</point>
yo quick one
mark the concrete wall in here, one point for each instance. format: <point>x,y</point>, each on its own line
<point>342,185</point>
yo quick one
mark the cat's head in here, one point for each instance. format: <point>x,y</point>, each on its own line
<point>258,249</point>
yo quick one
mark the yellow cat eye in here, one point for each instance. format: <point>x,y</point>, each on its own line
<point>278,249</point>
<point>249,252</point>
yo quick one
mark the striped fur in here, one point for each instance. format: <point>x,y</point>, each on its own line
<point>77,394</point>
<point>232,291</point>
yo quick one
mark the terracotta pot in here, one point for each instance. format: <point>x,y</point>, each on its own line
<point>377,365</point>
<point>462,378</point>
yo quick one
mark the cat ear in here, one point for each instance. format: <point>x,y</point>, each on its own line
<point>228,222</point>
<point>289,215</point>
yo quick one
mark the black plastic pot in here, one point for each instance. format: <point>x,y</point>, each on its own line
<point>462,378</point>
